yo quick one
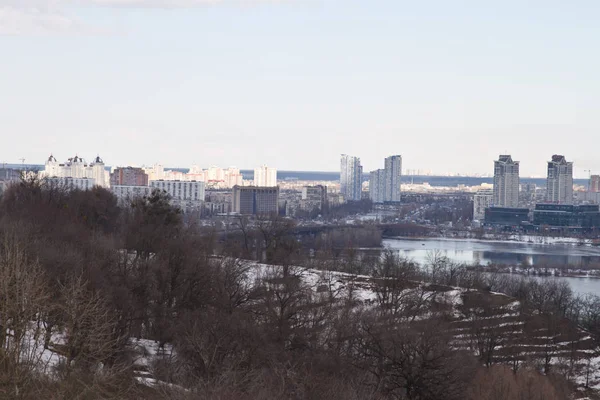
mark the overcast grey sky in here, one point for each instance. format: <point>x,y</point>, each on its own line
<point>447,84</point>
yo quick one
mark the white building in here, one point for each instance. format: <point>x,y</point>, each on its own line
<point>155,172</point>
<point>559,184</point>
<point>393,174</point>
<point>70,183</point>
<point>506,182</point>
<point>214,177</point>
<point>351,177</point>
<point>384,184</point>
<point>77,167</point>
<point>265,176</point>
<point>184,194</point>
<point>128,193</point>
<point>482,200</point>
<point>223,178</point>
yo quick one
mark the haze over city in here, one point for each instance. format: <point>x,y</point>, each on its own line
<point>299,199</point>
<point>295,83</point>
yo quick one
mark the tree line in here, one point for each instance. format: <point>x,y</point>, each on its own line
<point>82,278</point>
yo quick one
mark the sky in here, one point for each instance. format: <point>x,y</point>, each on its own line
<point>449,85</point>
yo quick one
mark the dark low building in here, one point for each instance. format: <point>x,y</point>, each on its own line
<point>506,216</point>
<point>566,215</point>
<point>255,200</point>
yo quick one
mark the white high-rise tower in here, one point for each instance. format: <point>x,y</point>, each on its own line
<point>265,176</point>
<point>384,184</point>
<point>351,177</point>
<point>393,173</point>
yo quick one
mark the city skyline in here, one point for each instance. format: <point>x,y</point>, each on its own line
<point>212,84</point>
<point>489,173</point>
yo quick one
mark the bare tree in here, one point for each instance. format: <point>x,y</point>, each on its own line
<point>88,327</point>
<point>23,300</point>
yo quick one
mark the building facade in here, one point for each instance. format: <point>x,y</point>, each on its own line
<point>567,215</point>
<point>506,182</point>
<point>559,184</point>
<point>69,183</point>
<point>506,216</point>
<point>393,175</point>
<point>384,184</point>
<point>128,176</point>
<point>187,195</point>
<point>595,183</point>
<point>265,176</point>
<point>483,199</point>
<point>313,197</point>
<point>351,178</point>
<point>77,167</point>
<point>254,200</point>
<point>127,192</point>
<point>377,186</point>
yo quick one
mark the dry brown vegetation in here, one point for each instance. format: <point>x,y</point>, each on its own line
<point>83,279</point>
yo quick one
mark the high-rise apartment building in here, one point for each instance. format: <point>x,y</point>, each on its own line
<point>265,176</point>
<point>351,177</point>
<point>384,184</point>
<point>128,176</point>
<point>253,200</point>
<point>393,174</point>
<point>482,200</point>
<point>595,183</point>
<point>559,184</point>
<point>377,186</point>
<point>506,182</point>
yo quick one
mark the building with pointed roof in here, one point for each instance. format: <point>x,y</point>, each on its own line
<point>559,183</point>
<point>77,167</point>
<point>506,182</point>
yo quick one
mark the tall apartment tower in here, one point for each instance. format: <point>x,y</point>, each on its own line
<point>384,184</point>
<point>351,177</point>
<point>393,173</point>
<point>265,176</point>
<point>377,186</point>
<point>559,184</point>
<point>595,183</point>
<point>506,182</point>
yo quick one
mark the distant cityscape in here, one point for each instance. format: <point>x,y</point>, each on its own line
<point>502,199</point>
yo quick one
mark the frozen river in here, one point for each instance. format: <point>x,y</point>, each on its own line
<point>477,252</point>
